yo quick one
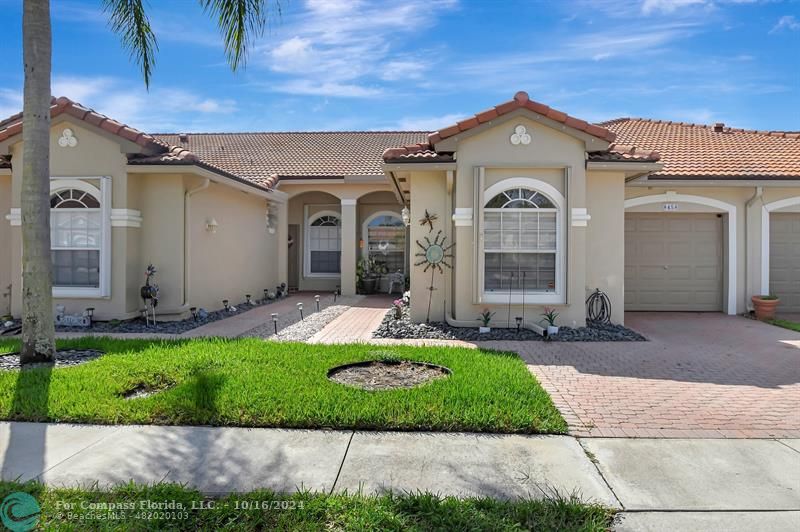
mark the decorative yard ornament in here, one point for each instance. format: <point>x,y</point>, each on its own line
<point>434,255</point>
<point>149,294</point>
<point>428,220</point>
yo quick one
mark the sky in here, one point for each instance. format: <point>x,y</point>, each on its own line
<point>332,65</point>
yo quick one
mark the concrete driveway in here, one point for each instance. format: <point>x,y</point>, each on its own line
<point>701,375</point>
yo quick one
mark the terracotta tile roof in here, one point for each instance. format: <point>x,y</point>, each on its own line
<point>521,101</point>
<point>625,153</point>
<point>402,152</point>
<point>690,151</point>
<point>13,125</point>
<point>260,157</point>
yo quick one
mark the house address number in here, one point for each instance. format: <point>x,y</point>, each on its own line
<point>670,206</point>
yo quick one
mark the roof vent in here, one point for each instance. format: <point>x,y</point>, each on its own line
<point>719,127</point>
<point>183,137</point>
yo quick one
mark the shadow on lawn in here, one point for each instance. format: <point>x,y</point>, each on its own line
<point>25,452</point>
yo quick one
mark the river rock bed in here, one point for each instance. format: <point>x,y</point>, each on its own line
<point>405,329</point>
<point>138,325</point>
<point>65,358</point>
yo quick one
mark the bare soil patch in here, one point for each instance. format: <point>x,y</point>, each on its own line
<point>375,375</point>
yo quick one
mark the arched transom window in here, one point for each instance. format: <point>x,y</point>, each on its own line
<point>76,235</point>
<point>520,242</point>
<point>324,245</point>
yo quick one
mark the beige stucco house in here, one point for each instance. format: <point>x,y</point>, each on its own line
<point>543,208</point>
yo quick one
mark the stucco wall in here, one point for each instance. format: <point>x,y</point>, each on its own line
<point>95,155</point>
<point>428,192</point>
<point>605,238</point>
<point>552,156</point>
<point>240,258</point>
<point>5,244</point>
<point>161,237</point>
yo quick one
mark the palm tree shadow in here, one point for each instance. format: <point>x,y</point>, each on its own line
<point>25,451</point>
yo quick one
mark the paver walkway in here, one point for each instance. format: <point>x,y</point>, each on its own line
<point>669,484</point>
<point>700,375</point>
<point>357,323</point>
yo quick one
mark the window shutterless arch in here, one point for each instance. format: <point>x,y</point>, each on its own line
<point>323,243</point>
<point>522,242</point>
<point>80,232</point>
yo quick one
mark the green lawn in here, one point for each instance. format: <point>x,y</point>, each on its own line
<point>786,324</point>
<point>61,508</point>
<point>254,383</point>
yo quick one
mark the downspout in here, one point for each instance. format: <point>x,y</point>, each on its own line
<point>759,192</point>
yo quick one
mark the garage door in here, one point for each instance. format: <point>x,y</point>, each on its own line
<point>784,259</point>
<point>673,262</point>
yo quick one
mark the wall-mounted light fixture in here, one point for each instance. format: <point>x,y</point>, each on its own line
<point>272,221</point>
<point>211,225</point>
<point>406,214</point>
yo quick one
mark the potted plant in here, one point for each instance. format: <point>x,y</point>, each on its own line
<point>365,276</point>
<point>549,316</point>
<point>765,306</point>
<point>486,317</point>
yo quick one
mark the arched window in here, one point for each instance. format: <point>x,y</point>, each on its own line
<point>521,242</point>
<point>76,234</point>
<point>385,237</point>
<point>324,244</point>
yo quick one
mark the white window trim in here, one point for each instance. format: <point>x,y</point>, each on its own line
<point>309,219</point>
<point>715,206</point>
<point>365,235</point>
<point>765,242</point>
<point>559,297</point>
<point>103,194</point>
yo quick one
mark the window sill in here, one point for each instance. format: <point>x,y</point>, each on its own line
<point>529,299</point>
<point>322,275</point>
<point>78,293</point>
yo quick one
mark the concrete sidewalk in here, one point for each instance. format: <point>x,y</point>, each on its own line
<point>658,484</point>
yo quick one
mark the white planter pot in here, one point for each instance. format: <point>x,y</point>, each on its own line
<point>552,330</point>
<point>483,330</point>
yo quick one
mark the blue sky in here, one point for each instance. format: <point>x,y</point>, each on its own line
<point>423,64</point>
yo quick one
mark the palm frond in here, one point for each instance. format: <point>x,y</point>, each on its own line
<point>239,21</point>
<point>129,20</point>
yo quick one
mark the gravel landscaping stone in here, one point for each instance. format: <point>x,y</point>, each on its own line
<point>65,358</point>
<point>405,329</point>
<point>377,375</point>
<point>292,329</point>
<point>138,325</point>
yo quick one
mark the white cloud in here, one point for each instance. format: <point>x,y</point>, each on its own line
<point>786,22</point>
<point>428,123</point>
<point>669,6</point>
<point>403,69</point>
<point>347,47</point>
<point>331,88</point>
<point>163,108</point>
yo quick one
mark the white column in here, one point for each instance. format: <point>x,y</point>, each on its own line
<point>349,245</point>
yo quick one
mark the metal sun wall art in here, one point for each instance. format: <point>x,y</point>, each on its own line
<point>433,255</point>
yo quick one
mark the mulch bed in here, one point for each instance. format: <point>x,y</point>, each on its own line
<point>65,358</point>
<point>387,375</point>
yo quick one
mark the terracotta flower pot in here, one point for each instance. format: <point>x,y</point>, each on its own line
<point>765,308</point>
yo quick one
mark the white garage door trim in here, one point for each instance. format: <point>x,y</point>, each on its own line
<point>673,197</point>
<point>765,212</point>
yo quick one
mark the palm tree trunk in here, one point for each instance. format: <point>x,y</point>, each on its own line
<point>38,336</point>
